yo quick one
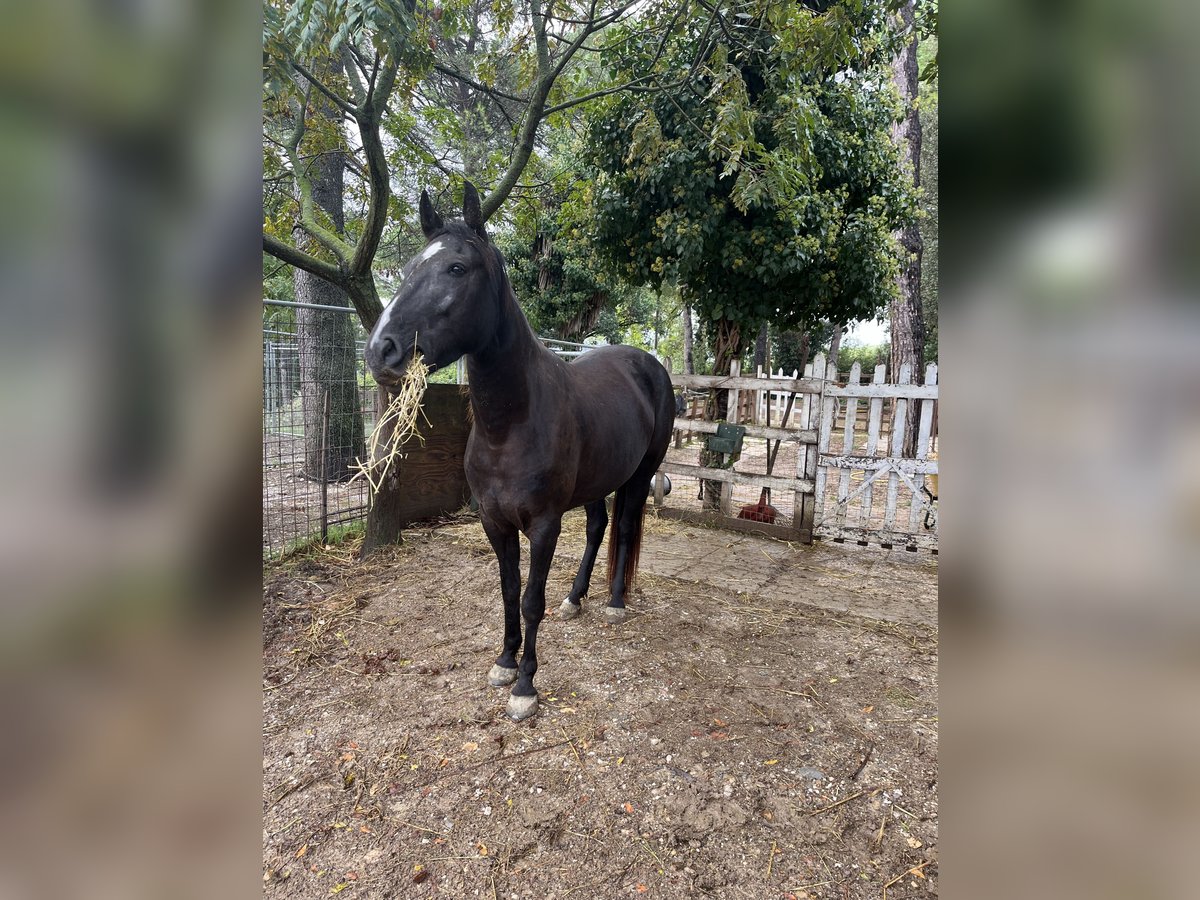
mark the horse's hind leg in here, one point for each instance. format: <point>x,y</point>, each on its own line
<point>626,541</point>
<point>597,521</point>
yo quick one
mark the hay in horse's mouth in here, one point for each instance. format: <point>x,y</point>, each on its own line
<point>397,424</point>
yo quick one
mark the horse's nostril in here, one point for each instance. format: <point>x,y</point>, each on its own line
<point>389,353</point>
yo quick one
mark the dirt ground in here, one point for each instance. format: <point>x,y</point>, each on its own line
<point>763,725</point>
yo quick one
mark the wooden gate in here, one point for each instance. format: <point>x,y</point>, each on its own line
<point>843,475</point>
<point>867,490</point>
<point>744,475</point>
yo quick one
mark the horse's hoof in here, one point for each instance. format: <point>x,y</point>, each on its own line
<point>500,676</point>
<point>521,707</point>
<point>569,610</point>
<point>614,614</point>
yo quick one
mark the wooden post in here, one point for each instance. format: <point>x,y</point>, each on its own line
<point>324,473</point>
<point>896,449</point>
<point>658,476</point>
<point>924,430</point>
<point>735,370</point>
<point>874,416</point>
<point>848,446</point>
<point>804,504</point>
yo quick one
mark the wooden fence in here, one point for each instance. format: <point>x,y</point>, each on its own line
<point>842,475</point>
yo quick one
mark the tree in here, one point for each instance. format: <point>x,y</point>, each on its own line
<point>907,323</point>
<point>928,101</point>
<point>333,424</point>
<point>387,50</point>
<point>769,189</point>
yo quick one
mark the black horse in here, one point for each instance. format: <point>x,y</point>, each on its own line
<point>547,437</point>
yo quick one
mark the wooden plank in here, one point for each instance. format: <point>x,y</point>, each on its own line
<point>715,520</point>
<point>847,446</point>
<point>915,516</point>
<point>432,479</point>
<point>731,415</point>
<point>906,391</point>
<point>730,477</point>
<point>803,436</point>
<point>924,540</point>
<point>874,415</point>
<point>805,505</point>
<point>747,382</point>
<point>875,463</point>
<point>823,432</point>
<point>895,449</point>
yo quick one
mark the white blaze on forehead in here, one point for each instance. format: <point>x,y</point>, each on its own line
<point>431,251</point>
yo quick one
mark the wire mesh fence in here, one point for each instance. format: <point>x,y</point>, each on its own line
<point>319,406</point>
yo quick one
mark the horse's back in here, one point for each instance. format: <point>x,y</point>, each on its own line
<point>625,409</point>
<point>628,378</point>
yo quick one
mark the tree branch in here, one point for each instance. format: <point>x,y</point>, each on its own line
<point>369,120</point>
<point>301,260</point>
<point>329,94</point>
<point>482,88</point>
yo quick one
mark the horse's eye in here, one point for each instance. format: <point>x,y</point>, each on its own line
<point>456,269</point>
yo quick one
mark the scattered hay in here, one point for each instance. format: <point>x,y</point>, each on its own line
<point>397,424</point>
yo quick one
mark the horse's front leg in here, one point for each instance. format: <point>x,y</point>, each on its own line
<point>543,537</point>
<point>507,545</point>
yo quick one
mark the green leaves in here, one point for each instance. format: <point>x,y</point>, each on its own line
<point>773,187</point>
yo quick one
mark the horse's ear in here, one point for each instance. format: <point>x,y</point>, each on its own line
<point>472,213</point>
<point>431,222</point>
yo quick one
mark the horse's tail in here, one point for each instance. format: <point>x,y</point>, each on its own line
<point>635,541</point>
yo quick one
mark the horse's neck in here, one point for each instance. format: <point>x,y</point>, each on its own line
<point>500,374</point>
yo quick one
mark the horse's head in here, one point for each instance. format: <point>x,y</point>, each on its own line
<point>447,305</point>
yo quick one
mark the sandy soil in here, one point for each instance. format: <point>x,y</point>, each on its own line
<point>763,725</point>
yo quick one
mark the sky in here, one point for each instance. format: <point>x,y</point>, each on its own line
<point>867,333</point>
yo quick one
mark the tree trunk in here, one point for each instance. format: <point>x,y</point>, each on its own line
<point>728,347</point>
<point>689,362</point>
<point>761,356</point>
<point>383,517</point>
<point>835,345</point>
<point>328,361</point>
<point>907,325</point>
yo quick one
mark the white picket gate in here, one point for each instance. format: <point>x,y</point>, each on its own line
<point>849,478</point>
<point>853,472</point>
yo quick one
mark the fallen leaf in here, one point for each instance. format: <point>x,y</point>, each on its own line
<point>720,722</point>
<point>301,851</point>
<point>352,876</point>
<point>620,759</point>
<point>470,745</point>
<point>628,807</point>
<point>443,762</point>
<point>347,756</point>
<point>482,848</point>
<point>771,762</point>
<point>914,843</point>
<point>364,829</point>
<point>869,709</point>
<point>641,888</point>
<point>337,889</point>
